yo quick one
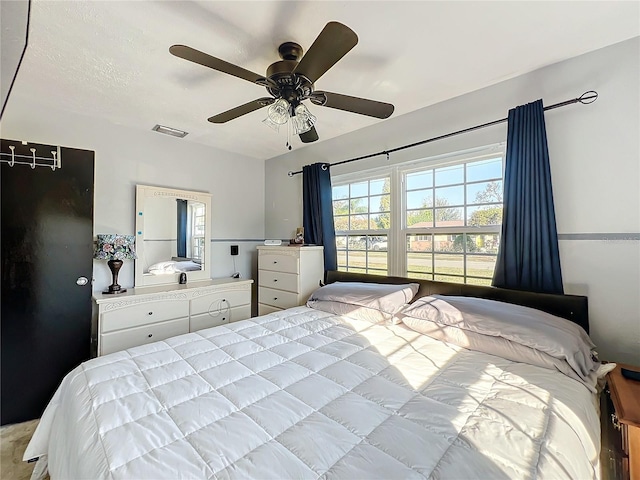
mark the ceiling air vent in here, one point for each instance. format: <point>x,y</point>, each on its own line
<point>174,132</point>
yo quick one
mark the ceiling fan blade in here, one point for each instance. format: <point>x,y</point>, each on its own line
<point>201,58</point>
<point>333,43</point>
<point>352,104</point>
<point>310,136</point>
<point>241,110</point>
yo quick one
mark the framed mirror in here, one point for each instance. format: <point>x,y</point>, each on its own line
<point>173,235</point>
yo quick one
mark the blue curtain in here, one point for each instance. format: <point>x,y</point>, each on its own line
<point>317,217</point>
<point>182,228</point>
<point>528,258</point>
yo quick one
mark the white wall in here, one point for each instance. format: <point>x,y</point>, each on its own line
<point>595,163</point>
<point>125,157</point>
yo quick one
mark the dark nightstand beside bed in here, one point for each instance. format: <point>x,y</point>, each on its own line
<point>621,426</point>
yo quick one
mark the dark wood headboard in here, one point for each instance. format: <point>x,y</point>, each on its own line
<point>571,307</point>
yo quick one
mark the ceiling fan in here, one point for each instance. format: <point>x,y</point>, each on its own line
<point>291,80</point>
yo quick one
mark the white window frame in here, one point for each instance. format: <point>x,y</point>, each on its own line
<point>398,231</point>
<point>370,175</point>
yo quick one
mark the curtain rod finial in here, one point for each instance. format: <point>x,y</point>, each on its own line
<point>290,173</point>
<point>588,97</point>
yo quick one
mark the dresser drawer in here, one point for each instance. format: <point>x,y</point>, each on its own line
<point>205,320</point>
<point>143,314</point>
<point>132,337</point>
<point>265,309</point>
<point>279,263</point>
<point>277,298</point>
<point>217,301</point>
<point>279,280</point>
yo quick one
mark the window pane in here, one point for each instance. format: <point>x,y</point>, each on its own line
<point>358,222</point>
<point>420,199</point>
<point>357,270</point>
<point>340,192</point>
<point>341,223</point>
<point>449,264</point>
<point>485,192</point>
<point>380,221</point>
<point>341,242</point>
<point>376,187</point>
<point>340,207</point>
<point>420,219</point>
<point>479,281</point>
<point>449,175</point>
<point>360,189</point>
<point>358,205</point>
<point>446,278</point>
<point>419,243</point>
<point>420,262</point>
<point>419,180</point>
<point>356,242</point>
<point>426,276</point>
<point>484,243</point>
<point>380,203</point>
<point>480,265</point>
<point>450,196</point>
<point>377,260</point>
<point>485,215</point>
<point>357,259</point>
<point>484,169</point>
<point>443,243</point>
<point>342,258</point>
<point>449,217</point>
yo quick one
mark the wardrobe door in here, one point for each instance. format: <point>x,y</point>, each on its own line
<point>46,250</point>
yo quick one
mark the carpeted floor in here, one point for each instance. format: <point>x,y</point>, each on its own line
<point>13,442</point>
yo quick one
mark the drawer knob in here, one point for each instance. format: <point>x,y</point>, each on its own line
<point>275,298</point>
<point>224,318</point>
<point>150,335</point>
<point>275,262</point>
<point>275,279</point>
<point>616,422</point>
<point>150,313</point>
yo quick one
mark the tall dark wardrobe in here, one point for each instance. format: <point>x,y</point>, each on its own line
<point>46,244</point>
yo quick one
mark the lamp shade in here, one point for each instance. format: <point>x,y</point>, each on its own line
<point>113,246</point>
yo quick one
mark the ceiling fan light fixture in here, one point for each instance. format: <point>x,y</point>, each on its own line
<point>303,120</point>
<point>271,124</point>
<point>278,111</point>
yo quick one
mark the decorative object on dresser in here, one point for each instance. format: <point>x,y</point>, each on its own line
<point>621,427</point>
<point>145,315</point>
<point>287,276</point>
<point>115,248</point>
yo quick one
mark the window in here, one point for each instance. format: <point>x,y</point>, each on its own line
<point>362,216</point>
<point>439,221</point>
<point>197,211</point>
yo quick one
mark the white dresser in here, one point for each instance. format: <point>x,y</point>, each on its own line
<point>287,276</point>
<point>149,314</point>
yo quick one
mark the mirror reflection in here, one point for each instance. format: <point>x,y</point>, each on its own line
<point>173,235</point>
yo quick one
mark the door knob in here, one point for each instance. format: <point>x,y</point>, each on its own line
<point>82,281</point>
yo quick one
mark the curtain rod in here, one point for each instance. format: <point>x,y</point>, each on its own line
<point>586,98</point>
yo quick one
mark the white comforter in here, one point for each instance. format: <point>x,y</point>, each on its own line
<point>304,394</point>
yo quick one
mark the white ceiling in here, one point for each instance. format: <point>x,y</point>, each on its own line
<point>111,59</point>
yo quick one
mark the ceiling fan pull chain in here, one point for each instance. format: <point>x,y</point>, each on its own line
<point>289,134</point>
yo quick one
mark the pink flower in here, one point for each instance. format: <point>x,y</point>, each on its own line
<point>107,247</point>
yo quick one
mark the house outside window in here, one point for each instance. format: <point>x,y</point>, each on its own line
<point>438,219</point>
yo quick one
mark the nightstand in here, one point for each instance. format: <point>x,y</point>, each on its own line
<point>621,426</point>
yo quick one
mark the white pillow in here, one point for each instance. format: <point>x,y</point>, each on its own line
<point>373,302</point>
<point>511,331</point>
<point>162,267</point>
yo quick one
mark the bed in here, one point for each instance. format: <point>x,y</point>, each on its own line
<point>308,393</point>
